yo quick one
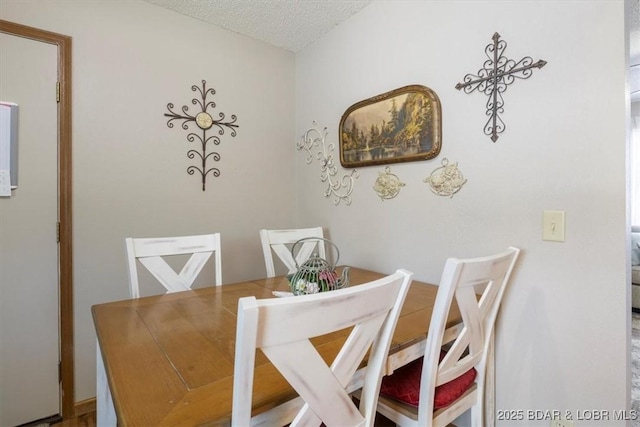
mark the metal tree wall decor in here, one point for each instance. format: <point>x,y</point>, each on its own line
<point>340,189</point>
<point>205,122</point>
<point>496,74</point>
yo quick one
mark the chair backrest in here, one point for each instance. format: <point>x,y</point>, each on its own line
<point>282,328</point>
<point>150,252</point>
<point>280,242</point>
<point>477,284</point>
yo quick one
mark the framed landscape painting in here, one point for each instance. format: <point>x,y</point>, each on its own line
<point>402,125</point>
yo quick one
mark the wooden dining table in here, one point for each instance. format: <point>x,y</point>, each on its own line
<point>168,360</point>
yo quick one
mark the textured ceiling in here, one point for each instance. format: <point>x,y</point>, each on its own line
<point>293,24</point>
<point>288,24</point>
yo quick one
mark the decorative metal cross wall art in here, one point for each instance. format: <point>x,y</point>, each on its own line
<point>204,121</point>
<point>496,74</point>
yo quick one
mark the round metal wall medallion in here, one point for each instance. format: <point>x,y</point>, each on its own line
<point>204,120</point>
<point>388,185</point>
<point>446,180</point>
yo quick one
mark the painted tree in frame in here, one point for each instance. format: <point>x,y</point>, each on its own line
<point>402,125</point>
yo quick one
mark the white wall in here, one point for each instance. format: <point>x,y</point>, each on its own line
<point>130,59</point>
<point>562,338</point>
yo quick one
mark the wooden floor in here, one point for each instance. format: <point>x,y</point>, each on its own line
<point>85,420</point>
<point>89,420</point>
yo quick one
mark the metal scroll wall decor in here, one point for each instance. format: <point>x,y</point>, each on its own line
<point>338,188</point>
<point>496,74</point>
<point>446,180</point>
<point>388,185</point>
<point>205,122</point>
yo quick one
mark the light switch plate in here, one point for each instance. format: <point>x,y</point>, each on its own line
<point>553,226</point>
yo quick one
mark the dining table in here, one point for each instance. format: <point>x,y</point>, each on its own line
<point>167,360</point>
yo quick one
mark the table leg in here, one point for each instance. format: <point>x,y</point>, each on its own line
<point>106,413</point>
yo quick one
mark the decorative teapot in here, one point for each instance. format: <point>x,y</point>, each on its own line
<point>316,274</point>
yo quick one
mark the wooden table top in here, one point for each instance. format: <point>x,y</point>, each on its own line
<point>169,358</point>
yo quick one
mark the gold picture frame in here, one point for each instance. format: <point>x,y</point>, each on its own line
<point>402,125</point>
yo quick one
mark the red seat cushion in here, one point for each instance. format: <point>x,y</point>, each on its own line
<point>404,385</point>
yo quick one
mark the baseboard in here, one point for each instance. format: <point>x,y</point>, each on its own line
<point>86,406</point>
<point>81,408</point>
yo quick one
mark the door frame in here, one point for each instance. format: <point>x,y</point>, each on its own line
<point>65,271</point>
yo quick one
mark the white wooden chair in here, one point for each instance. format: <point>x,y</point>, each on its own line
<point>280,242</point>
<point>449,383</point>
<point>150,252</point>
<point>282,328</point>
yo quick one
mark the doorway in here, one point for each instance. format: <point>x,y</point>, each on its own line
<point>62,186</point>
<point>632,15</point>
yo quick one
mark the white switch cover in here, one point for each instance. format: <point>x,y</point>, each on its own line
<point>553,226</point>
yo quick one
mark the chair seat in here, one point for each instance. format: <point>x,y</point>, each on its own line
<point>404,385</point>
<point>411,412</point>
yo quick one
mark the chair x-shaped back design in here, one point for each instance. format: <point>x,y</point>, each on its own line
<point>280,242</point>
<point>282,329</point>
<point>150,252</point>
